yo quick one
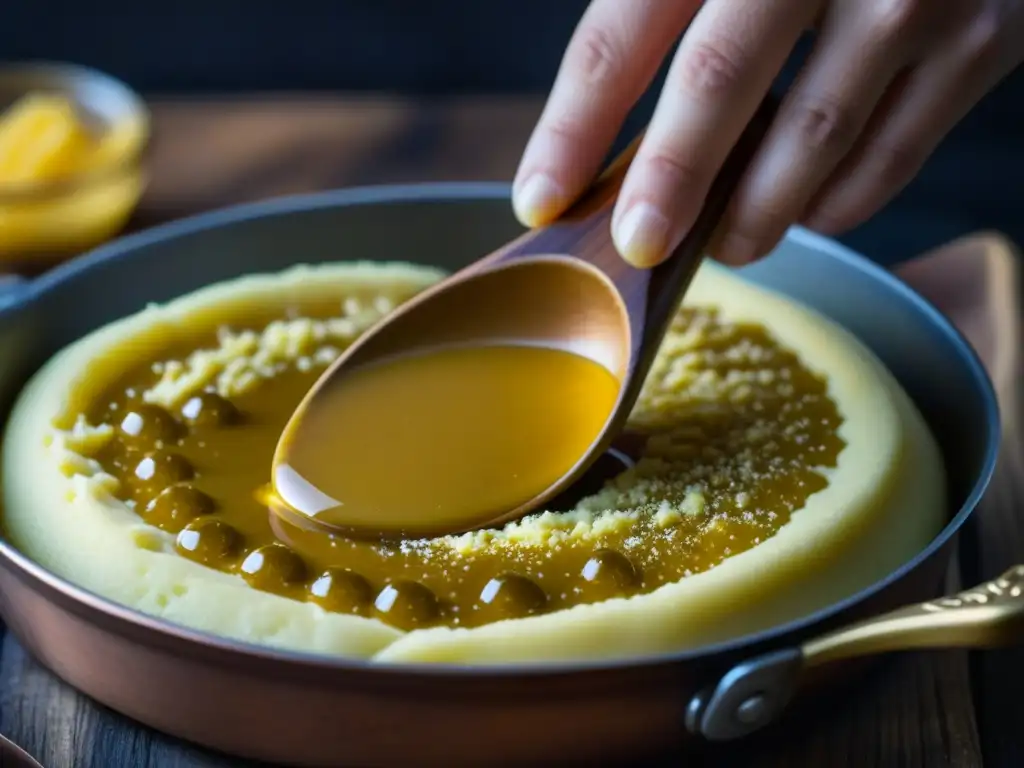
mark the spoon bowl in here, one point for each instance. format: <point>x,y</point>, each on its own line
<point>489,440</point>
<point>572,307</point>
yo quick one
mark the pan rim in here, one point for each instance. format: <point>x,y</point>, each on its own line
<point>158,631</point>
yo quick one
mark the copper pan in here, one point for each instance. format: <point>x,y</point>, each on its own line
<point>289,708</point>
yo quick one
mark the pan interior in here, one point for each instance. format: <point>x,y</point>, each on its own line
<point>450,225</point>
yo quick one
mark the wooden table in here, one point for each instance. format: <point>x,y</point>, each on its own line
<point>928,709</point>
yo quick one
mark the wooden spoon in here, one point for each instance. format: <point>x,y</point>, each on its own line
<point>428,461</point>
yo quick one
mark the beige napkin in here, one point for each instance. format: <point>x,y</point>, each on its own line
<point>974,282</point>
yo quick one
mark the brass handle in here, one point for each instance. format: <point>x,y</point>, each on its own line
<point>753,693</point>
<point>989,615</point>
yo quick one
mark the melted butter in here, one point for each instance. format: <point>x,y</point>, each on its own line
<point>738,435</point>
<point>444,440</point>
<point>46,138</point>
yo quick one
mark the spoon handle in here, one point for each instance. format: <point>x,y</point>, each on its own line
<point>593,209</point>
<point>661,293</point>
<point>651,296</point>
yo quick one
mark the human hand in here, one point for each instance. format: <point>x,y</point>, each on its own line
<point>886,81</point>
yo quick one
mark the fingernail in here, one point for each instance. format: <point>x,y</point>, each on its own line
<point>641,235</point>
<point>538,199</point>
<point>736,250</point>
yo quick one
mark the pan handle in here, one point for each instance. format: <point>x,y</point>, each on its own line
<point>753,693</point>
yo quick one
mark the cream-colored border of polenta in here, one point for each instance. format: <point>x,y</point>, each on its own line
<point>885,501</point>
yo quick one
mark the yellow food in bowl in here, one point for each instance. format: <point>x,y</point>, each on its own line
<point>65,183</point>
<point>782,469</point>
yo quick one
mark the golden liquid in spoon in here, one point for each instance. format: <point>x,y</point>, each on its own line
<point>443,440</point>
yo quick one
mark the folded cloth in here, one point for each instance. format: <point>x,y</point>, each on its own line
<point>974,281</point>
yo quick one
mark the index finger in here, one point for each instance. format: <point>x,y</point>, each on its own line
<point>610,61</point>
<point>724,67</point>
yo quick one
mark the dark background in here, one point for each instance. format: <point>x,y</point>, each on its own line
<point>443,48</point>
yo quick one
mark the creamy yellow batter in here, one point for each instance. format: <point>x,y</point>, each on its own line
<point>876,500</point>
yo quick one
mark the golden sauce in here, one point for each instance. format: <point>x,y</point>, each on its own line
<point>444,440</point>
<point>738,434</point>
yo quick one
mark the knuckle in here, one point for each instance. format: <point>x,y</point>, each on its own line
<point>824,124</point>
<point>757,218</point>
<point>828,218</point>
<point>712,69</point>
<point>673,170</point>
<point>898,163</point>
<point>894,18</point>
<point>984,42</point>
<point>596,55</point>
<point>565,130</point>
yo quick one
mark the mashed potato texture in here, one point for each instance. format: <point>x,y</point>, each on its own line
<point>872,506</point>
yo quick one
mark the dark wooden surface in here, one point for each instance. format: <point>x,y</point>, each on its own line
<point>928,709</point>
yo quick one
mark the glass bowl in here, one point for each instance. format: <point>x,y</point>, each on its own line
<point>42,222</point>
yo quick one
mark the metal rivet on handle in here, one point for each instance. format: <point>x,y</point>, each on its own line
<point>751,711</point>
<point>746,698</point>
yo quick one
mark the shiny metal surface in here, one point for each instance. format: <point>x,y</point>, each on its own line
<point>752,694</point>
<point>302,709</point>
<point>13,756</point>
